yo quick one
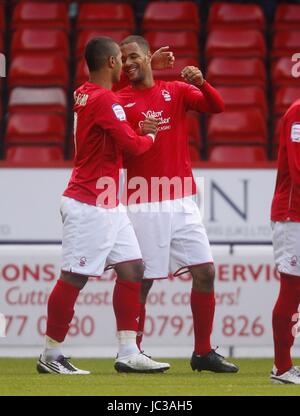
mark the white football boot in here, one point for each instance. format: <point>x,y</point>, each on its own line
<point>60,365</point>
<point>139,363</point>
<point>291,376</point>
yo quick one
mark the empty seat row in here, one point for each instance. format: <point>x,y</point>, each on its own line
<point>243,127</point>
<point>235,43</point>
<point>55,15</point>
<point>28,128</point>
<point>220,154</point>
<point>34,154</point>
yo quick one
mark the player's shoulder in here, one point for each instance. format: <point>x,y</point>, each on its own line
<point>293,111</point>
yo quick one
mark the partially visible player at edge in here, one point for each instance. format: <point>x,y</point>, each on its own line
<point>175,240</point>
<point>94,235</point>
<point>285,216</point>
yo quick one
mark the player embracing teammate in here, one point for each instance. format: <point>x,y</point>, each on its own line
<point>167,222</point>
<point>96,232</point>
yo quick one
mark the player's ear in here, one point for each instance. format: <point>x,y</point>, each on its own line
<point>111,62</point>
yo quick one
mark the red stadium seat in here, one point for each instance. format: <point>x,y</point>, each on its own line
<point>235,43</point>
<point>181,43</point>
<point>86,35</point>
<point>173,74</point>
<point>194,153</point>
<point>34,154</point>
<point>40,41</point>
<point>236,72</point>
<point>240,154</point>
<point>37,70</point>
<point>32,15</point>
<point>287,17</point>
<point>38,100</point>
<point>284,97</point>
<point>193,128</point>
<point>237,127</point>
<point>173,15</point>
<point>241,98</point>
<point>286,43</point>
<point>108,15</point>
<point>241,16</point>
<point>26,128</point>
<point>285,73</point>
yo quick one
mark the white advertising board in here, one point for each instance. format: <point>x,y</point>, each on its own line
<point>246,289</point>
<point>236,204</point>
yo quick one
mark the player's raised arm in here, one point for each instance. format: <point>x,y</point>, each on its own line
<point>111,118</point>
<point>200,95</point>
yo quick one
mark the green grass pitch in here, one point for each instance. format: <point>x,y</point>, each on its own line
<point>19,377</point>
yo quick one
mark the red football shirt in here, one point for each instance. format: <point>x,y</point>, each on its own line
<point>286,200</point>
<point>169,157</point>
<point>101,134</point>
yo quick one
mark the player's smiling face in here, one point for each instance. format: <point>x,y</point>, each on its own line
<point>136,62</point>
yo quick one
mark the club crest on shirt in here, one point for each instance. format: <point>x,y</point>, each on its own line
<point>295,132</point>
<point>166,95</point>
<point>119,112</point>
<point>82,261</point>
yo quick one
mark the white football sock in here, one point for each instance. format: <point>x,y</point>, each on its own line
<point>127,343</point>
<point>52,349</point>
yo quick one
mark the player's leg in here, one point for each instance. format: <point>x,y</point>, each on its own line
<point>203,311</point>
<point>126,303</point>
<point>285,308</point>
<point>125,257</point>
<point>145,289</point>
<point>286,242</point>
<point>191,252</point>
<point>59,316</point>
<point>152,226</point>
<point>85,247</point>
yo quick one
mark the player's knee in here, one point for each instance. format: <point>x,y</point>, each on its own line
<point>132,272</point>
<point>203,277</point>
<point>74,279</point>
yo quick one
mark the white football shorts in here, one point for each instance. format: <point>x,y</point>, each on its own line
<point>95,237</point>
<point>286,247</point>
<point>171,236</point>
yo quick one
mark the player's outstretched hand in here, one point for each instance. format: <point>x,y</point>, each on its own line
<point>162,58</point>
<point>193,75</point>
<point>149,126</point>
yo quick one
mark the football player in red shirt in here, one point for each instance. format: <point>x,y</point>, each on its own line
<point>96,229</point>
<point>166,219</point>
<point>285,216</point>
